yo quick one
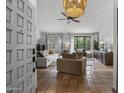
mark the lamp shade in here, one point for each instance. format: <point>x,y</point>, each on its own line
<point>74,8</point>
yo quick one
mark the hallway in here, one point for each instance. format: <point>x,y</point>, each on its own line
<point>98,79</point>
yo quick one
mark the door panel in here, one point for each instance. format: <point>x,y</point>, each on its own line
<point>20,40</point>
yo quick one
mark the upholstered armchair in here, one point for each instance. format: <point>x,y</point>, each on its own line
<point>73,66</point>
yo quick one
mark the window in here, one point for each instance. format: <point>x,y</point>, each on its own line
<point>82,42</point>
<point>54,43</point>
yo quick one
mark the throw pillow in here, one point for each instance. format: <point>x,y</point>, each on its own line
<point>51,52</point>
<point>65,51</point>
<point>39,54</point>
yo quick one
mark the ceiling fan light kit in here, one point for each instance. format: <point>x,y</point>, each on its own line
<point>74,8</point>
<point>74,12</point>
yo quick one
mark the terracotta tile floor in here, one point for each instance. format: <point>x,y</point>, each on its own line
<point>98,79</point>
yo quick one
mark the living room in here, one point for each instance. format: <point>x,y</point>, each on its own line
<point>59,35</point>
<point>41,41</point>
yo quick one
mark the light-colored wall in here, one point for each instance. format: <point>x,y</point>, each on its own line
<point>97,17</point>
<point>43,38</point>
<point>115,46</point>
<point>106,29</point>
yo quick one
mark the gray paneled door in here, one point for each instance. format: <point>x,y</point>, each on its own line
<point>20,40</point>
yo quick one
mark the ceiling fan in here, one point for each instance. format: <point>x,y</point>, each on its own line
<point>68,18</point>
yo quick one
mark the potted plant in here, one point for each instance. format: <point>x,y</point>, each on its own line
<point>95,45</point>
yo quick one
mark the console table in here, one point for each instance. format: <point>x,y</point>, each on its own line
<point>104,57</point>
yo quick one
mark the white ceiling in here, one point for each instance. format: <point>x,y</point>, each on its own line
<point>98,15</point>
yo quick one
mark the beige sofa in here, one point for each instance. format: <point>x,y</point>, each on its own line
<point>47,59</point>
<point>73,66</point>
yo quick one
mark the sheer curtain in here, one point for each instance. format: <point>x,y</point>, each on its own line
<point>54,43</point>
<point>72,44</point>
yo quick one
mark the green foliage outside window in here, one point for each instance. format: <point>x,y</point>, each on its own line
<point>82,42</point>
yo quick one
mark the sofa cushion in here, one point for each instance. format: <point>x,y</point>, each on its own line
<point>70,56</point>
<point>80,54</point>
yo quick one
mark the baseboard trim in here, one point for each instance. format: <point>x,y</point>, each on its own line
<point>114,90</point>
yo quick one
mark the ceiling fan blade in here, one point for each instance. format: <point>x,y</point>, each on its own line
<point>61,19</point>
<point>74,17</point>
<point>76,20</point>
<point>64,14</point>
